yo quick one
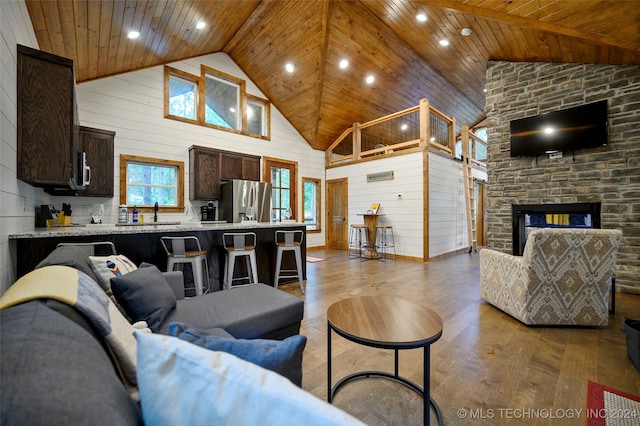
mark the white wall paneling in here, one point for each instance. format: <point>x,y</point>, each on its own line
<point>447,214</point>
<point>17,199</point>
<point>132,105</point>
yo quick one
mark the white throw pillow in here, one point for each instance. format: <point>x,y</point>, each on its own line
<point>183,384</point>
<point>107,267</point>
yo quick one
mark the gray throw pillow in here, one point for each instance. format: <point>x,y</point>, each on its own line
<point>145,295</point>
<point>281,356</point>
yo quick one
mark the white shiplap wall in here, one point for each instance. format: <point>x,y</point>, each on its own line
<point>447,214</point>
<point>17,199</point>
<point>404,214</point>
<point>131,105</point>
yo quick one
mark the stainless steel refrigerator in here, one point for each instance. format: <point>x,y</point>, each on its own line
<point>237,195</point>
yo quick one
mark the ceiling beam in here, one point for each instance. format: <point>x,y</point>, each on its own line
<point>534,24</point>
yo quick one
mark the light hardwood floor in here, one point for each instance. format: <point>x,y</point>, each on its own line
<point>486,364</point>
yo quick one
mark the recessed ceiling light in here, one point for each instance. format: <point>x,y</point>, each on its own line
<point>466,32</point>
<point>370,79</point>
<point>344,64</point>
<point>289,67</point>
<point>433,139</point>
<point>548,130</point>
<point>484,90</point>
<point>404,127</point>
<point>421,17</point>
<point>133,34</point>
<point>200,25</point>
<point>444,42</point>
<point>232,109</point>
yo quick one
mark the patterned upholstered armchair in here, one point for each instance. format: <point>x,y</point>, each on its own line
<point>562,278</point>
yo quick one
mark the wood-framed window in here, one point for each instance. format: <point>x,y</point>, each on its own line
<point>181,91</point>
<point>258,117</point>
<point>223,100</point>
<point>215,99</point>
<point>311,204</point>
<point>283,176</point>
<point>145,181</point>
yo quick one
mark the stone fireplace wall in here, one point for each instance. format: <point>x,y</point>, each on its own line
<point>610,175</point>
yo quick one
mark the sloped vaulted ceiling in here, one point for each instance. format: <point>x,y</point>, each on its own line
<point>378,37</point>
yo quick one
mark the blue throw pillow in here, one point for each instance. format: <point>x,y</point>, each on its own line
<point>281,356</point>
<point>184,384</point>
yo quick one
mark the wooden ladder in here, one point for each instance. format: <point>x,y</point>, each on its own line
<point>470,202</point>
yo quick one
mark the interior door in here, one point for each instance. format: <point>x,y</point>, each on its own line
<point>337,211</point>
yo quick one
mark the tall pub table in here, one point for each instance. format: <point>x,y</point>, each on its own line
<point>371,222</point>
<point>386,323</point>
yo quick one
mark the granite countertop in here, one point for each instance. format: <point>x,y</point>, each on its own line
<point>110,229</point>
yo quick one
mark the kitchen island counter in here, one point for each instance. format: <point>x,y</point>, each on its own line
<point>141,243</point>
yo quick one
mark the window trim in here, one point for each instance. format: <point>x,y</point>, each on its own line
<point>168,72</point>
<point>318,183</point>
<point>267,118</point>
<point>268,162</point>
<point>242,89</point>
<point>124,159</point>
<point>201,83</point>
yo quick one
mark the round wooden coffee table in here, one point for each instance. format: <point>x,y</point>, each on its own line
<point>387,323</point>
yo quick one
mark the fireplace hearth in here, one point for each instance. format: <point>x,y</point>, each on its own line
<point>527,217</point>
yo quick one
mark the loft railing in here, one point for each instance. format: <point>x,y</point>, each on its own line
<point>473,146</point>
<point>406,131</point>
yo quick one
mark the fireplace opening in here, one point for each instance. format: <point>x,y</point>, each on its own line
<point>527,217</point>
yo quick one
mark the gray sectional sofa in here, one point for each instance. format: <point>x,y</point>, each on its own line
<point>56,369</point>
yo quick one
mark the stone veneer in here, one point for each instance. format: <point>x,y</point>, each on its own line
<point>610,175</point>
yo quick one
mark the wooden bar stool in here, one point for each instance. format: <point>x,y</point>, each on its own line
<point>289,241</point>
<point>386,241</point>
<point>239,244</point>
<point>187,250</point>
<point>356,241</point>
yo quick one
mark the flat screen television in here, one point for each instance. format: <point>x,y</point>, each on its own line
<point>569,129</point>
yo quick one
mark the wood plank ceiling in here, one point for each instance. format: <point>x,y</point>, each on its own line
<point>378,37</point>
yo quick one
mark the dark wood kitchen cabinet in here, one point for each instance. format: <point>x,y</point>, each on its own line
<point>240,166</point>
<point>210,167</point>
<point>46,118</point>
<point>98,146</point>
<point>204,177</point>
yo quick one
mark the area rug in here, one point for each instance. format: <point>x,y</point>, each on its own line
<point>312,259</point>
<point>610,407</point>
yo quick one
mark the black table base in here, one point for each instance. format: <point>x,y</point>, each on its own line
<point>422,391</point>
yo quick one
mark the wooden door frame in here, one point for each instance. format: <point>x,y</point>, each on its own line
<point>329,210</point>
